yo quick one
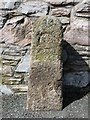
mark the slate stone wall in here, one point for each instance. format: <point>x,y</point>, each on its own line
<point>16,24</point>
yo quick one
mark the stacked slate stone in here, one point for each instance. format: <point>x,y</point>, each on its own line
<point>10,75</point>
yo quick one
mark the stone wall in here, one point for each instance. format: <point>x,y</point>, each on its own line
<point>16,23</point>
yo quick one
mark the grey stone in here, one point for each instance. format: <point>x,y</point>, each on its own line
<point>45,83</point>
<point>34,8</point>
<point>9,4</point>
<point>3,13</point>
<point>12,47</point>
<point>82,9</point>
<point>77,109</point>
<point>5,90</point>
<point>82,48</point>
<point>2,4</point>
<point>3,45</point>
<point>15,20</point>
<point>2,21</point>
<point>64,20</point>
<point>13,58</point>
<point>9,62</point>
<point>11,52</point>
<point>61,2</point>
<point>24,64</point>
<point>1,50</point>
<point>77,79</point>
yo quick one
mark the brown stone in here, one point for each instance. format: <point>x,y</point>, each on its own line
<point>45,84</point>
<point>60,12</point>
<point>78,31</point>
<point>17,30</point>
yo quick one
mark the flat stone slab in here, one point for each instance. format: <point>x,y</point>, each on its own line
<point>62,2</point>
<point>1,50</point>
<point>5,90</point>
<point>9,4</point>
<point>34,8</point>
<point>24,64</point>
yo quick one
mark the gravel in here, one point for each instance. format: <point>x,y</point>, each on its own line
<point>14,106</point>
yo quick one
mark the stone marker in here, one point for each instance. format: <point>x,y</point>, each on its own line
<point>45,84</point>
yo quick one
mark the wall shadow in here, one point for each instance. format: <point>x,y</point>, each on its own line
<point>74,60</point>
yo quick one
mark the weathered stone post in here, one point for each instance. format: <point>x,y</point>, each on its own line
<point>45,84</point>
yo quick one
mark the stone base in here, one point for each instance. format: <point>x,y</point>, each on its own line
<point>45,87</point>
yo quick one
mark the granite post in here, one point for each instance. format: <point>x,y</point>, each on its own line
<point>45,83</point>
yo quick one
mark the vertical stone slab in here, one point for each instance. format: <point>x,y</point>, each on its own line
<point>45,84</point>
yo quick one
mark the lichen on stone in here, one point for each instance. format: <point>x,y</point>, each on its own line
<point>46,38</point>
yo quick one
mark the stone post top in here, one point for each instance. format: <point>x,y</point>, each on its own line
<point>47,37</point>
<point>50,19</point>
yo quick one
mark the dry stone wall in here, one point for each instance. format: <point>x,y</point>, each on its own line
<point>16,23</point>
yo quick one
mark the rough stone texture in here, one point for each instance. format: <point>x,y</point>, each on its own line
<point>64,20</point>
<point>2,21</point>
<point>78,26</point>
<point>82,9</point>
<point>17,30</point>
<point>77,79</point>
<point>45,83</point>
<point>14,32</point>
<point>34,8</point>
<point>11,57</point>
<point>4,89</point>
<point>24,65</point>
<point>61,2</point>
<point>9,4</point>
<point>60,12</point>
<point>13,25</point>
<point>80,29</point>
